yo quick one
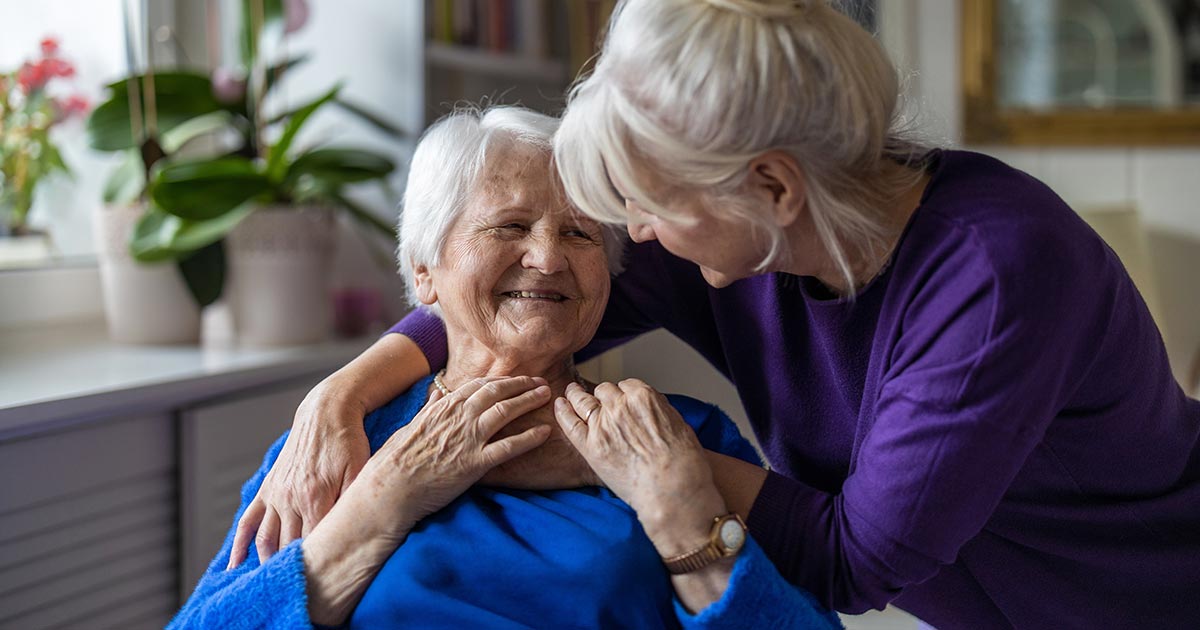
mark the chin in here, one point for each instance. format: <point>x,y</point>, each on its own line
<point>717,279</point>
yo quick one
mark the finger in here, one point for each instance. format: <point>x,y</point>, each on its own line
<point>246,527</point>
<point>493,392</point>
<point>314,516</point>
<point>466,390</point>
<point>291,526</point>
<point>572,425</point>
<point>505,411</point>
<point>267,540</point>
<point>607,393</point>
<point>513,446</point>
<point>585,405</point>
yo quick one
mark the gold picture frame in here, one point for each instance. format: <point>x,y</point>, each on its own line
<point>984,122</point>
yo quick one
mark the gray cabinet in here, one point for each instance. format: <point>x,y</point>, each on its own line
<point>109,522</point>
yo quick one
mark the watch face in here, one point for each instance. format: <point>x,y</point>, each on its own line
<point>732,535</point>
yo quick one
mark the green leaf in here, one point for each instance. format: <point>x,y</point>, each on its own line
<point>126,183</point>
<point>179,97</point>
<point>152,236</point>
<point>335,167</point>
<point>196,235</point>
<point>276,72</point>
<point>372,119</point>
<point>175,138</point>
<point>208,189</point>
<point>276,165</point>
<point>204,273</point>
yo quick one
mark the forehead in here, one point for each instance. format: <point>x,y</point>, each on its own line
<point>519,176</point>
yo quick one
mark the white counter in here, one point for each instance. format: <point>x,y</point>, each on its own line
<point>72,372</point>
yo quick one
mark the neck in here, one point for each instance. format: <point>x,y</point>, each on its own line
<point>468,361</point>
<point>865,263</point>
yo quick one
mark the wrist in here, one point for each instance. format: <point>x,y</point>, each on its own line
<point>680,526</point>
<point>337,399</point>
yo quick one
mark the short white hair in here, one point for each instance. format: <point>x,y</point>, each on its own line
<point>697,89</point>
<point>445,170</point>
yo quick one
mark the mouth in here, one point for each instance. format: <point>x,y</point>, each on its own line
<point>543,296</point>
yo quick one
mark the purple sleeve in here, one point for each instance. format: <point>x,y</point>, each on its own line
<point>427,331</point>
<point>980,368</point>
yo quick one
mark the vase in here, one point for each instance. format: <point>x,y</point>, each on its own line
<point>144,303</point>
<point>279,272</point>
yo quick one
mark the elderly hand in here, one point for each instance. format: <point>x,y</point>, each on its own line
<point>449,446</point>
<point>421,468</point>
<point>641,448</point>
<point>323,454</point>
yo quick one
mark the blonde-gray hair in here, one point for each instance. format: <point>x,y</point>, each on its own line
<point>696,89</point>
<point>444,172</point>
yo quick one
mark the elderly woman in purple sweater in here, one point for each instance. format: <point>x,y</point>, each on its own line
<point>967,408</point>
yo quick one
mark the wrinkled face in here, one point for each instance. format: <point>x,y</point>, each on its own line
<point>726,249</point>
<point>520,273</point>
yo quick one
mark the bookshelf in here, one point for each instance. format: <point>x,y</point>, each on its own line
<point>507,51</point>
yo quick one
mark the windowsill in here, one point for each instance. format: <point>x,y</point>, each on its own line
<point>71,372</point>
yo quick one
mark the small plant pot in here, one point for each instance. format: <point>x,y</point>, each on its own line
<point>279,261</point>
<point>143,303</point>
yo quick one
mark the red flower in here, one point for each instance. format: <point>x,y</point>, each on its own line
<point>55,67</point>
<point>72,106</point>
<point>31,77</point>
<point>49,46</point>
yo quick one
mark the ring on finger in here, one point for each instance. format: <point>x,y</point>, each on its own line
<point>588,418</point>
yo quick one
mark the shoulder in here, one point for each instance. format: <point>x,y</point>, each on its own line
<point>715,430</point>
<point>381,423</point>
<point>987,226</point>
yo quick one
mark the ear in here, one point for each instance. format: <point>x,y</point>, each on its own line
<point>776,176</point>
<point>424,281</point>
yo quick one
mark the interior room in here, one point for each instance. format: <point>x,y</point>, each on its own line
<point>200,204</point>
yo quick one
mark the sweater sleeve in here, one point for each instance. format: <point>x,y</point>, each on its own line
<point>758,597</point>
<point>985,357</point>
<point>251,596</point>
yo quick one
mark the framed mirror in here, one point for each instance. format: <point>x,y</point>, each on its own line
<point>1081,72</point>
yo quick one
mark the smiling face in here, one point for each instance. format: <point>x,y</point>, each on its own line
<point>521,275</point>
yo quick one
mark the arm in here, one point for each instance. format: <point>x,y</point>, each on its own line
<point>985,361</point>
<point>327,446</point>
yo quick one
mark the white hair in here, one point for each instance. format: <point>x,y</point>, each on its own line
<point>443,174</point>
<point>697,89</point>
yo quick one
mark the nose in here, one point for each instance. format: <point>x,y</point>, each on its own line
<point>546,255</point>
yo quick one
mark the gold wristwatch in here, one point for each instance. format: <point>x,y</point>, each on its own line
<point>727,537</point>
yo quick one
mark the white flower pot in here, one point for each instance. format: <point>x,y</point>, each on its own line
<point>279,261</point>
<point>143,303</point>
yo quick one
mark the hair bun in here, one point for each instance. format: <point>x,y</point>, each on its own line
<point>766,9</point>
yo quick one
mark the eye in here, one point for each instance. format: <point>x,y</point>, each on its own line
<point>579,233</point>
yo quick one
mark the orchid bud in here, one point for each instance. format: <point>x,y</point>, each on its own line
<point>295,14</point>
<point>228,85</point>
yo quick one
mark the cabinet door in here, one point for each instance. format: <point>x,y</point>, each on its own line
<point>87,526</point>
<point>221,445</point>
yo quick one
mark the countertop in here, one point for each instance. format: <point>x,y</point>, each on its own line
<point>72,372</point>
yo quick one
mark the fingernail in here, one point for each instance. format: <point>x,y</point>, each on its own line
<point>560,403</point>
<point>572,385</point>
<point>542,390</point>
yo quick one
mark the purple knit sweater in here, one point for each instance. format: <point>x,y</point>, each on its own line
<point>989,436</point>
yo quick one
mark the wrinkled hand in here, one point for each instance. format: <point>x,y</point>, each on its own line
<point>449,446</point>
<point>321,457</point>
<point>640,447</point>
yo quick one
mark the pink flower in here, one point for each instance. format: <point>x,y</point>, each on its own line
<point>54,67</point>
<point>295,15</point>
<point>49,46</point>
<point>228,86</point>
<point>31,77</point>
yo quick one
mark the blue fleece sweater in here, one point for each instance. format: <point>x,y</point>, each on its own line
<point>509,559</point>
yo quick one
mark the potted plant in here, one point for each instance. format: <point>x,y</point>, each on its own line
<point>262,208</point>
<point>30,109</point>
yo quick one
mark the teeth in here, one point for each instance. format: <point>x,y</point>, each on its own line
<point>532,294</point>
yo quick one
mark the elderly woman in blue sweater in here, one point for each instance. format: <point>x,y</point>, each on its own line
<point>520,280</point>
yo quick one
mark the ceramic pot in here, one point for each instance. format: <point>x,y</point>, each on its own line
<point>143,303</point>
<point>279,271</point>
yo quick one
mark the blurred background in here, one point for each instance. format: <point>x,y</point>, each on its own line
<point>196,198</point>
